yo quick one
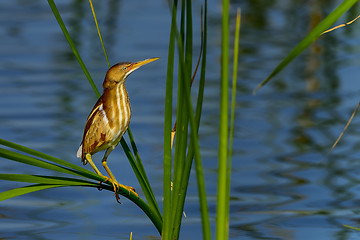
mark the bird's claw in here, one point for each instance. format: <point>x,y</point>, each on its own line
<point>116,187</point>
<point>131,190</point>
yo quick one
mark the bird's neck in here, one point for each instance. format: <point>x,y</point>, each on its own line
<point>117,105</point>
<point>116,97</point>
<point>118,91</point>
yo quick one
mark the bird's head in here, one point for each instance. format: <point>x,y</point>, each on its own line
<point>118,73</point>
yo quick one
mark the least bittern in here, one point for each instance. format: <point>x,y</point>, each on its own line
<point>109,119</point>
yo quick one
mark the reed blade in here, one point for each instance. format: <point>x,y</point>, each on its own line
<point>309,39</point>
<point>72,45</point>
<point>221,216</point>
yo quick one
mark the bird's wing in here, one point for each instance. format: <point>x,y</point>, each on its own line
<point>97,131</point>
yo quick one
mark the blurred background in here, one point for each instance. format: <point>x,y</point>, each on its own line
<point>282,186</point>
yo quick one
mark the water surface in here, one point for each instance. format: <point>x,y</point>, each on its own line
<point>282,188</point>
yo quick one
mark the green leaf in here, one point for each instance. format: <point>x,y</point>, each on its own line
<point>221,207</point>
<point>142,177</point>
<point>99,33</point>
<point>310,38</point>
<point>198,165</point>
<point>47,180</point>
<point>182,121</point>
<point>167,209</point>
<point>139,177</point>
<point>351,227</point>
<point>34,161</point>
<point>86,173</point>
<point>43,164</point>
<point>24,190</point>
<point>180,188</point>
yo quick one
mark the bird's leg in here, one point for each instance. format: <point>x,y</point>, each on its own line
<point>92,164</point>
<point>112,177</point>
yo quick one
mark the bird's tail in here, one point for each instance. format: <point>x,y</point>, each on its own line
<point>80,154</point>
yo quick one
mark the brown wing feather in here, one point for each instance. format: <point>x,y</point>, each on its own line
<point>97,132</point>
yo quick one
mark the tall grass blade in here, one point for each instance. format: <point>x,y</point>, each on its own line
<point>221,211</point>
<point>181,170</point>
<point>203,69</point>
<point>181,137</point>
<point>152,212</point>
<point>194,150</point>
<point>310,38</point>
<point>139,164</point>
<point>182,163</point>
<point>63,182</point>
<point>351,227</point>
<point>86,173</point>
<point>234,84</point>
<point>138,175</point>
<point>181,118</point>
<point>72,45</point>
<point>142,178</point>
<point>42,164</point>
<point>167,212</point>
<point>232,117</point>
<point>98,30</point>
<point>47,180</point>
<point>198,166</point>
<point>24,190</point>
<point>51,181</point>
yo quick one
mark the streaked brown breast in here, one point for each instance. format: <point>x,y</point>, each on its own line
<point>108,120</point>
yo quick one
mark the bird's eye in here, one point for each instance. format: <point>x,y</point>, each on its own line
<point>124,68</point>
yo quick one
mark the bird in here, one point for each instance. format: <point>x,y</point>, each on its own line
<point>109,120</point>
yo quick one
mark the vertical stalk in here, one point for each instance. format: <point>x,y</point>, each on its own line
<point>182,122</point>
<point>221,219</point>
<point>167,222</point>
<point>181,118</point>
<point>198,165</point>
<point>98,29</point>
<point>232,115</point>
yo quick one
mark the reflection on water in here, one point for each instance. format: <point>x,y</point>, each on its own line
<point>282,188</point>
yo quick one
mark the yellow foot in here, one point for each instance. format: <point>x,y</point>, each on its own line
<point>117,186</point>
<point>130,189</point>
<point>114,184</point>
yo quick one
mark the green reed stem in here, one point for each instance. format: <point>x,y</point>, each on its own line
<point>232,116</point>
<point>46,182</point>
<point>310,38</point>
<point>181,140</point>
<point>167,207</point>
<point>221,211</point>
<point>198,166</point>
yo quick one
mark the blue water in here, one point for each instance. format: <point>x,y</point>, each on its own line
<point>282,188</point>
